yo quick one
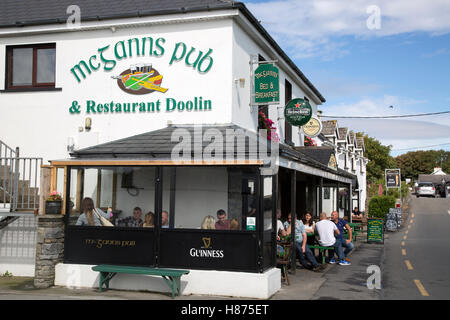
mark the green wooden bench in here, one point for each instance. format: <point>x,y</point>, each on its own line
<point>171,277</point>
<point>356,229</point>
<point>322,250</point>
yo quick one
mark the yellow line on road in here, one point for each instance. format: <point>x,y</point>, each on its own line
<point>412,216</point>
<point>412,220</point>
<point>403,243</point>
<point>409,227</point>
<point>421,288</point>
<point>408,265</point>
<point>406,232</point>
<point>404,252</point>
<point>404,238</point>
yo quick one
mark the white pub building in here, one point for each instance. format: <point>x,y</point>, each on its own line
<point>94,99</point>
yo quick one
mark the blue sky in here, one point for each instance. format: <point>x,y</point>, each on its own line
<point>363,59</point>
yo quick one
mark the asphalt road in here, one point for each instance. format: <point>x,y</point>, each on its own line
<point>417,257</point>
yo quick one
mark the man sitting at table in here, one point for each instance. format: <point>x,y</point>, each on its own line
<point>341,224</point>
<point>326,230</point>
<point>300,243</point>
<point>132,221</point>
<point>356,214</point>
<point>222,223</point>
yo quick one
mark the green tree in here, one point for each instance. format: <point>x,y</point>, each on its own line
<point>379,157</point>
<point>423,162</point>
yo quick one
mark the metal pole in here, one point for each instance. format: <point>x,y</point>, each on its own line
<point>320,195</point>
<point>293,218</point>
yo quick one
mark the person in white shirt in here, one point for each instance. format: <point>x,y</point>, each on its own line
<point>326,230</point>
<point>280,227</point>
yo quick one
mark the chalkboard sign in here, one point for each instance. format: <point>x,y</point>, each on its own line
<point>375,230</point>
<point>396,215</point>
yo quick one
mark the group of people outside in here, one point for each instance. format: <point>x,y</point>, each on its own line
<point>91,216</point>
<point>329,232</point>
<point>222,223</point>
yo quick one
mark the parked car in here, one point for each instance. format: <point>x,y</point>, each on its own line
<point>426,189</point>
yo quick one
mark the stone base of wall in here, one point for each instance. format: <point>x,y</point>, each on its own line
<point>49,249</point>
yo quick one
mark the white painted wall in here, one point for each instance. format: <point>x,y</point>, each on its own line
<point>244,45</point>
<point>197,282</point>
<point>40,122</point>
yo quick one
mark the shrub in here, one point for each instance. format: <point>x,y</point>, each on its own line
<point>379,206</point>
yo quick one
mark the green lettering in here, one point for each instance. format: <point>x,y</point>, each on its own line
<point>130,50</point>
<point>116,53</point>
<point>106,61</point>
<point>203,60</point>
<point>174,54</point>
<point>90,62</point>
<point>169,102</point>
<point>90,106</point>
<point>77,66</point>
<point>194,65</point>
<point>160,47</point>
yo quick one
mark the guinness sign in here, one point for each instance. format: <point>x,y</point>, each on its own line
<point>206,250</point>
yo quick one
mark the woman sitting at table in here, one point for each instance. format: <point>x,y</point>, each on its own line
<point>308,222</point>
<point>310,226</point>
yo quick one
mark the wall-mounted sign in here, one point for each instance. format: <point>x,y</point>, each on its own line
<point>313,127</point>
<point>392,178</point>
<point>140,79</point>
<point>267,84</point>
<point>251,223</point>
<point>298,112</point>
<point>375,230</point>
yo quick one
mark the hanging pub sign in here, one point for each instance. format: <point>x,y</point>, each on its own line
<point>267,84</point>
<point>392,178</point>
<point>313,127</point>
<point>298,112</point>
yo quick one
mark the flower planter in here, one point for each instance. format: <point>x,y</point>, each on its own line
<point>53,207</point>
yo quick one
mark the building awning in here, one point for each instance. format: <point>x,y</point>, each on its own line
<point>156,147</point>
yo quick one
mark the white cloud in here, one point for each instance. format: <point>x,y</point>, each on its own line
<point>401,133</point>
<point>306,28</point>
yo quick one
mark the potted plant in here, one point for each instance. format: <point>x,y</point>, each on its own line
<point>267,124</point>
<point>53,204</point>
<point>310,142</point>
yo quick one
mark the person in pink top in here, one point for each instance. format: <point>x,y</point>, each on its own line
<point>222,222</point>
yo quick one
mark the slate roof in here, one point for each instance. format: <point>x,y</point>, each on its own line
<point>157,145</point>
<point>360,143</point>
<point>352,137</point>
<point>14,13</point>
<point>329,127</point>
<point>343,133</point>
<point>320,154</point>
<point>28,12</point>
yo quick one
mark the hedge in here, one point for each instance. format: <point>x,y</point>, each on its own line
<point>379,206</point>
